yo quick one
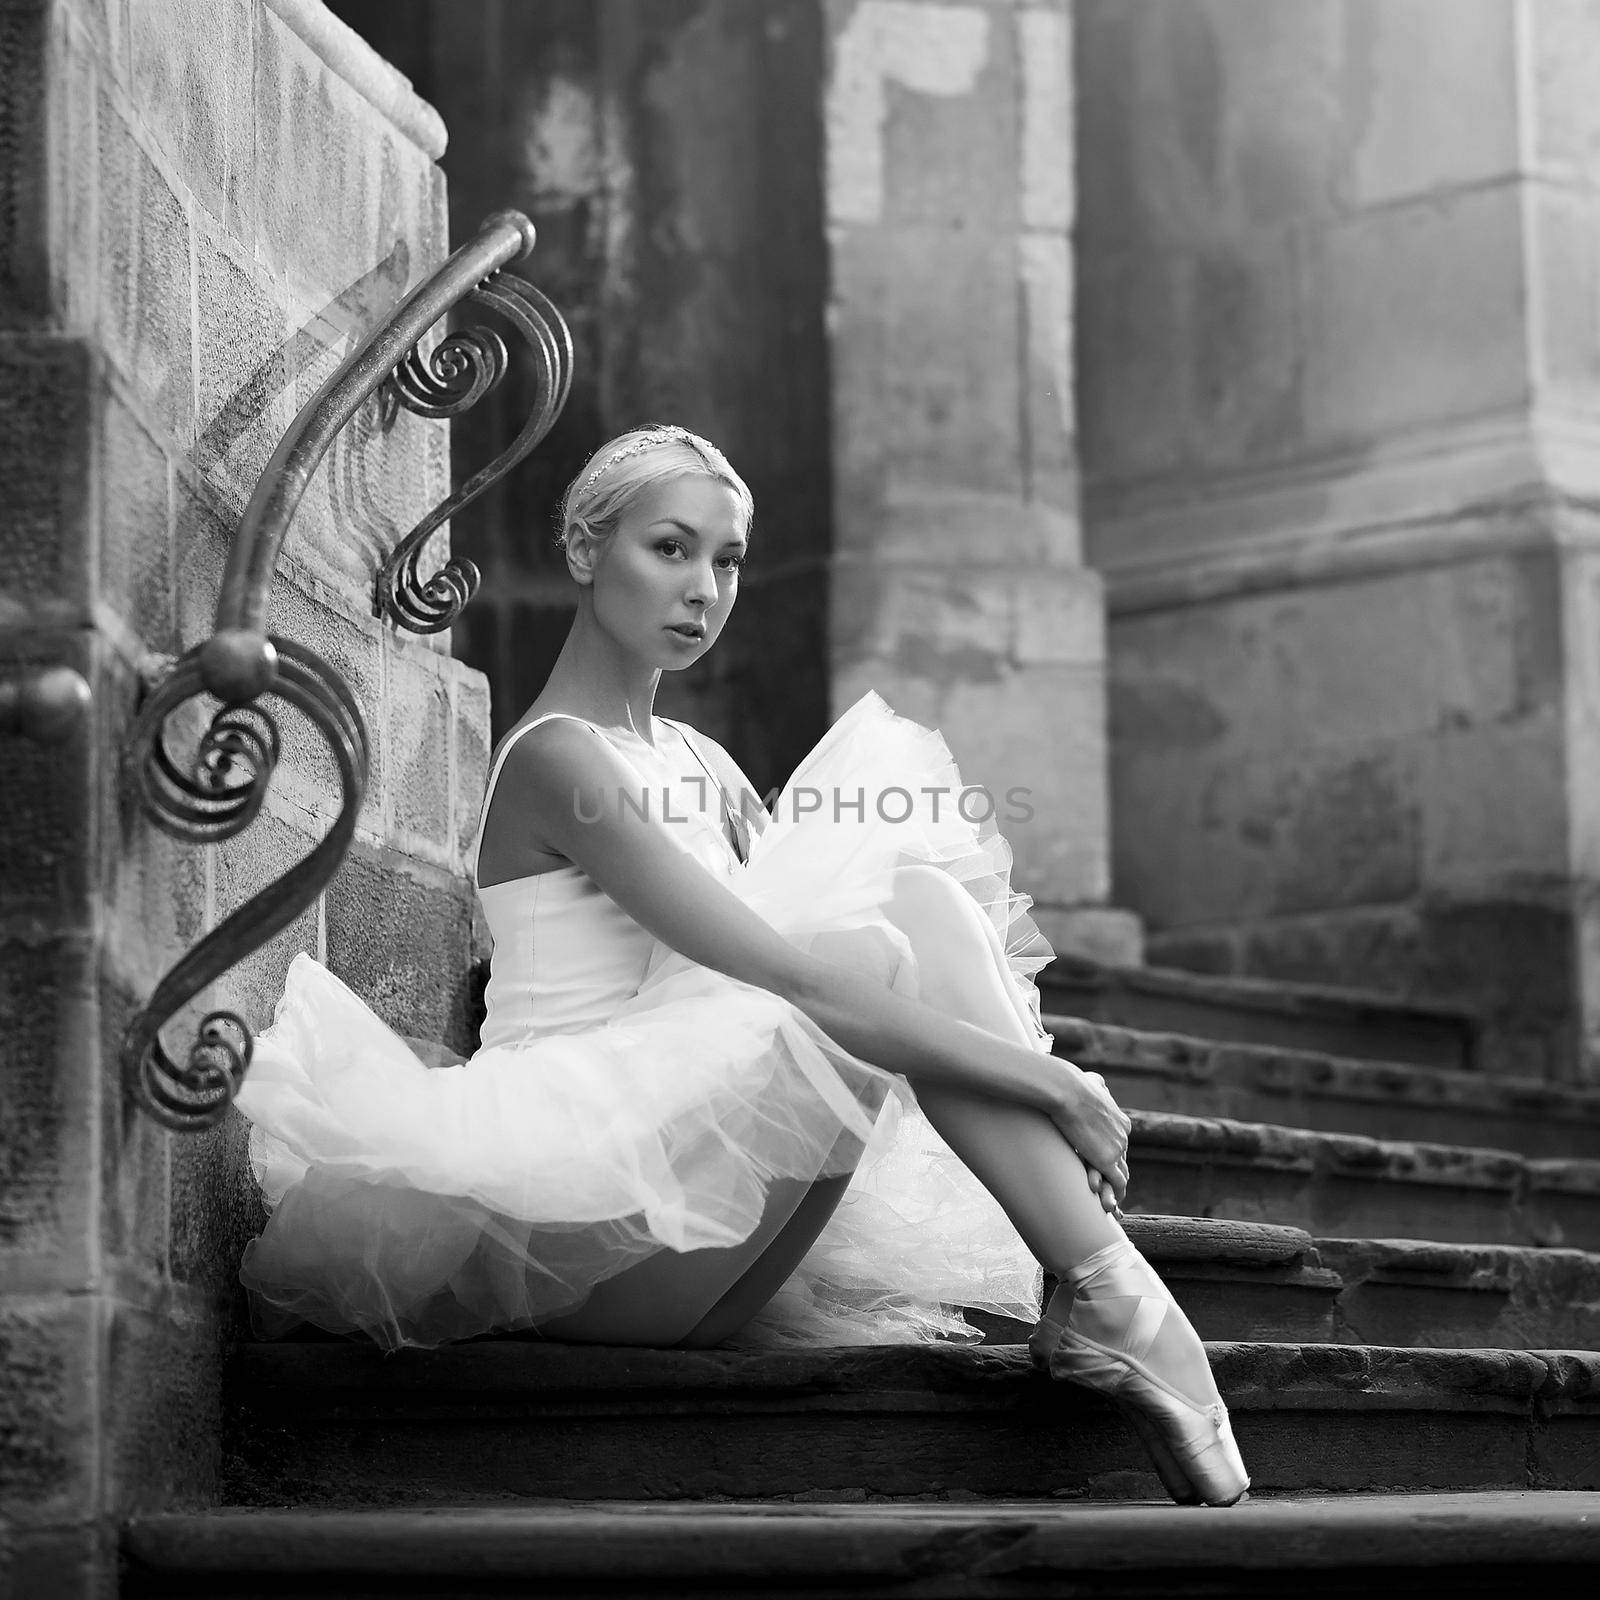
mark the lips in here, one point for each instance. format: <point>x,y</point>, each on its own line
<point>687,630</point>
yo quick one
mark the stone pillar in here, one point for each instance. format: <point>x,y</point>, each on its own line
<point>1341,393</point>
<point>958,587</point>
<point>205,204</point>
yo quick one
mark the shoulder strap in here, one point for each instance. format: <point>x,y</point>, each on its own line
<point>736,822</point>
<point>499,762</point>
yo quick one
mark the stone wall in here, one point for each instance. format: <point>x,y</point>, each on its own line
<point>670,154</point>
<point>959,586</point>
<point>1337,284</point>
<point>204,204</point>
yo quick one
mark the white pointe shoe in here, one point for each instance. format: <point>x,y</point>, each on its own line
<point>1102,1335</point>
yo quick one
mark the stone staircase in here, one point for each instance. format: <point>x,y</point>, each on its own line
<point>1394,1256</point>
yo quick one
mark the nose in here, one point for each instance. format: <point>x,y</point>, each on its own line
<point>702,590</point>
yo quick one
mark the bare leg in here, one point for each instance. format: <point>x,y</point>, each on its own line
<point>1017,1153</point>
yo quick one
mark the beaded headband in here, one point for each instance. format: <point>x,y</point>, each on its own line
<point>663,433</point>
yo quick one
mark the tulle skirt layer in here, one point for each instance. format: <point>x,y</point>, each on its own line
<point>420,1204</point>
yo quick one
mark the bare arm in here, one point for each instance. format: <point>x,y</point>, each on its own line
<point>562,774</point>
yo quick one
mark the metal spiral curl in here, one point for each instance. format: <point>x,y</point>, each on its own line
<point>454,376</point>
<point>216,798</point>
<point>401,592</point>
<point>219,792</point>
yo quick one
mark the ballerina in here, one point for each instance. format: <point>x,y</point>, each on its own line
<point>744,1076</point>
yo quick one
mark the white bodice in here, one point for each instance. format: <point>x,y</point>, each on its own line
<point>566,955</point>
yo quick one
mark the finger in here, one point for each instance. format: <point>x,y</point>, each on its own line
<point>1095,1178</point>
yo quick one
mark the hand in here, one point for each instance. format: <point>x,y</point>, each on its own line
<point>1097,1128</point>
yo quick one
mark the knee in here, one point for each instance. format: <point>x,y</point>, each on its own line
<point>925,897</point>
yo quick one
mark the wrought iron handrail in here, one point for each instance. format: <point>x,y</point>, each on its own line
<point>220,791</point>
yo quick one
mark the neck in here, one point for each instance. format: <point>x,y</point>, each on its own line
<point>597,681</point>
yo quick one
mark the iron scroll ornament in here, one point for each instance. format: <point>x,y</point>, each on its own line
<point>452,379</point>
<point>218,793</point>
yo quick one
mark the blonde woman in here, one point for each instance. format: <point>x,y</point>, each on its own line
<point>744,1076</point>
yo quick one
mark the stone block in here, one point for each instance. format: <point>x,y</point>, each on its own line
<point>417,791</point>
<point>245,400</point>
<point>1060,618</point>
<point>1050,444</point>
<point>400,936</point>
<point>48,844</point>
<point>133,1219</point>
<point>324,222</point>
<point>244,866</point>
<point>1416,316</point>
<point>1244,400</point>
<point>73,227</point>
<point>921,113</point>
<point>1494,805</point>
<point>1134,338</point>
<point>1218,839</point>
<point>1044,53</point>
<point>67,1561</point>
<point>1566,266</point>
<point>46,432</point>
<point>136,562</point>
<point>214,1205</point>
<point>1432,96</point>
<point>926,371</point>
<point>1398,657</point>
<point>105,22</point>
<point>145,296</point>
<point>163,1420</point>
<point>24,187</point>
<point>354,649</point>
<point>1103,934</point>
<point>470,708</point>
<point>49,1389</point>
<point>1565,39</point>
<point>190,74</point>
<point>201,542</point>
<point>47,1112</point>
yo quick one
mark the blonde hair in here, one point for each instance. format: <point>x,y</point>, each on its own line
<point>623,467</point>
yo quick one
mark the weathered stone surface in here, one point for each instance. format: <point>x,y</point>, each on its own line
<point>400,936</point>
<point>417,736</point>
<point>1389,1099</point>
<point>46,1111</point>
<point>48,1356</point>
<point>45,440</point>
<point>48,845</point>
<point>146,317</point>
<point>1380,1541</point>
<point>470,732</point>
<point>1345,1185</point>
<point>24,187</point>
<point>676,1425</point>
<point>191,72</point>
<point>326,222</point>
<point>244,866</point>
<point>243,405</point>
<point>136,565</point>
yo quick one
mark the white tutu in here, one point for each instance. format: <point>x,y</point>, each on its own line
<point>424,1204</point>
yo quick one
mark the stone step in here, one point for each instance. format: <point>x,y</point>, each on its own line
<point>343,1424</point>
<point>1547,1544</point>
<point>1330,1093</point>
<point>1256,1282</point>
<point>1340,1185</point>
<point>1339,1022</point>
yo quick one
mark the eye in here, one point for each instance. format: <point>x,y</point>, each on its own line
<point>668,546</point>
<point>731,563</point>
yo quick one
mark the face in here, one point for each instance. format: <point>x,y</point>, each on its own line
<point>666,578</point>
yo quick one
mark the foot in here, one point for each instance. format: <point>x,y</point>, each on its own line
<point>1113,1326</point>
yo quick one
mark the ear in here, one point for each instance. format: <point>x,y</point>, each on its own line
<point>583,554</point>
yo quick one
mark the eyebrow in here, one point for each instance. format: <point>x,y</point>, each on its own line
<point>693,532</point>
